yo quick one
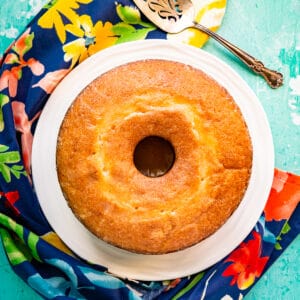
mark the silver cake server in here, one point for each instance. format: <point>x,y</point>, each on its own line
<point>174,16</point>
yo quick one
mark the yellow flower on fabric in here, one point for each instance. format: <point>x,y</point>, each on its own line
<point>57,9</point>
<point>91,39</point>
<point>53,239</point>
<point>104,37</point>
<point>82,27</point>
<point>75,51</point>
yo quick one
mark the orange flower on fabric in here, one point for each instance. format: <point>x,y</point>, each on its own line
<point>51,80</point>
<point>10,77</point>
<point>23,125</point>
<point>104,37</point>
<point>246,263</point>
<point>284,196</point>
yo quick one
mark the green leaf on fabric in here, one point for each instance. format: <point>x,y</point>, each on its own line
<point>32,242</point>
<point>10,157</point>
<point>12,225</point>
<point>278,246</point>
<point>3,100</point>
<point>128,14</point>
<point>6,159</point>
<point>15,249</point>
<point>29,247</point>
<point>17,228</point>
<point>285,229</point>
<point>128,33</point>
<point>5,171</point>
<point>16,173</point>
<point>3,148</point>
<point>17,167</point>
<point>125,31</point>
<point>195,280</point>
<point>131,15</point>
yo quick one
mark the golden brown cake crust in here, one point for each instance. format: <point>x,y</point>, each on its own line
<point>153,98</point>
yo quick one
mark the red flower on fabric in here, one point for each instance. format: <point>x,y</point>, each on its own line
<point>247,263</point>
<point>10,198</point>
<point>284,196</point>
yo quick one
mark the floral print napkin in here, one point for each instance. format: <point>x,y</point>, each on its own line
<point>60,37</point>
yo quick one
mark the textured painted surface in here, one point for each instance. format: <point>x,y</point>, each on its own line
<point>14,16</point>
<point>269,30</point>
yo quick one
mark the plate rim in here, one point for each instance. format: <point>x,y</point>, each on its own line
<point>139,266</point>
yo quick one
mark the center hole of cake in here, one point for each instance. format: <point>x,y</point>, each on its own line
<point>154,156</point>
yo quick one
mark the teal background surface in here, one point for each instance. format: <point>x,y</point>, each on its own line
<point>270,31</point>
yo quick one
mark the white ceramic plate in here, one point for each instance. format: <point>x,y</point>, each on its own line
<point>123,263</point>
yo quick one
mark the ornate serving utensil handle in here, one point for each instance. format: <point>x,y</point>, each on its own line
<point>273,78</point>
